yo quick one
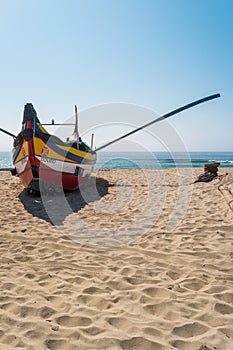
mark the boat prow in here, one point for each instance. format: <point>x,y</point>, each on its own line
<point>41,157</point>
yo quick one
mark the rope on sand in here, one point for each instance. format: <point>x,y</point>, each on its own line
<point>7,169</point>
<point>226,189</point>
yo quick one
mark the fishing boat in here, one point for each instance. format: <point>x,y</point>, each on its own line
<point>44,160</point>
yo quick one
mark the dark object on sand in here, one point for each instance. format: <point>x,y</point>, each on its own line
<point>210,173</point>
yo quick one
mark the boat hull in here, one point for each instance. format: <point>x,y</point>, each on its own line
<point>46,164</point>
<point>48,178</point>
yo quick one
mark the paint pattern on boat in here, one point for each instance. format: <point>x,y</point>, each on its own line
<point>39,156</point>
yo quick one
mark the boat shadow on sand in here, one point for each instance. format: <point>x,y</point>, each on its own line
<point>54,207</point>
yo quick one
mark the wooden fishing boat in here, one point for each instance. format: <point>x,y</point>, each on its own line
<point>42,159</point>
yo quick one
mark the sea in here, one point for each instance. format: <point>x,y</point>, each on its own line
<point>148,160</point>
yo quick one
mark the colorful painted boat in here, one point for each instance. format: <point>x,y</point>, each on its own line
<point>42,159</point>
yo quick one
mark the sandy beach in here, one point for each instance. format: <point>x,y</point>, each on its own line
<point>137,260</point>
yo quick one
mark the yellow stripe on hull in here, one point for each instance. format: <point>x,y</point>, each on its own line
<point>41,148</point>
<point>23,152</point>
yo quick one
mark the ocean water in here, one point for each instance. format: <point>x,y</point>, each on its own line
<point>125,160</point>
<point>136,160</point>
<point>6,160</point>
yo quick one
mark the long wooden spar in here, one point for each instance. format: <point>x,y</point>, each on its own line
<point>8,133</point>
<point>165,116</point>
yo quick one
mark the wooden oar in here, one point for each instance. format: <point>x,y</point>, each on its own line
<point>167,115</point>
<point>8,133</point>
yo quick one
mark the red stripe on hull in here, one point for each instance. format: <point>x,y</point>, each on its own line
<point>26,176</point>
<point>66,181</point>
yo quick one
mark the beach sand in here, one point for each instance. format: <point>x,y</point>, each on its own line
<point>145,264</point>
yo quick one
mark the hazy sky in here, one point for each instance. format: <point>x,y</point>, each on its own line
<point>159,54</point>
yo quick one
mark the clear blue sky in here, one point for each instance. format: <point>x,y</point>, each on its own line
<point>159,54</point>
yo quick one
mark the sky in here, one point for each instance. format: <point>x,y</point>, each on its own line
<point>156,54</point>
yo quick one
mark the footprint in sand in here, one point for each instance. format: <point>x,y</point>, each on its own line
<point>157,309</point>
<point>32,334</point>
<point>215,289</point>
<point>174,275</point>
<point>29,276</point>
<point>227,297</point>
<point>92,331</point>
<point>152,331</point>
<point>54,344</point>
<point>223,308</point>
<point>118,322</point>
<point>190,330</point>
<point>24,311</point>
<point>227,331</point>
<point>157,292</point>
<point>98,302</point>
<point>75,321</point>
<point>46,312</point>
<point>8,286</point>
<point>182,345</point>
<point>94,290</point>
<point>194,285</point>
<point>139,343</point>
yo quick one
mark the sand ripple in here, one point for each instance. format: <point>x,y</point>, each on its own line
<point>159,291</point>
